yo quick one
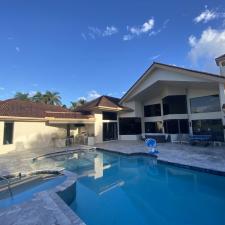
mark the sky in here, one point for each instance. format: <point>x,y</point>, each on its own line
<point>83,49</point>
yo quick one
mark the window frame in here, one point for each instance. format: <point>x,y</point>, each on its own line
<point>148,109</point>
<point>5,139</point>
<point>203,99</point>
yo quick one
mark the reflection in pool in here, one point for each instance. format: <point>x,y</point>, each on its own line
<point>135,190</point>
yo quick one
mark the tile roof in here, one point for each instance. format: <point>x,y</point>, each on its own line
<point>21,108</point>
<point>102,101</point>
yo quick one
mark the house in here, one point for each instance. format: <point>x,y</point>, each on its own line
<point>165,101</point>
<point>26,125</point>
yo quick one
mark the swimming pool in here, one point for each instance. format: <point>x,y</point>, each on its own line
<point>136,190</point>
<point>26,190</point>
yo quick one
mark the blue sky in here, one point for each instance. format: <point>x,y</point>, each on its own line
<point>86,48</point>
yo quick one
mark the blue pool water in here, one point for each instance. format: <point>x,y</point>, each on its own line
<point>137,190</point>
<point>29,193</point>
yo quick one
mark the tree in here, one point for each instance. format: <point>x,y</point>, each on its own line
<point>38,97</point>
<point>22,96</point>
<point>78,103</point>
<point>52,98</point>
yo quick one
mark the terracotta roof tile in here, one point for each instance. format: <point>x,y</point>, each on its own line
<point>21,108</point>
<point>102,101</point>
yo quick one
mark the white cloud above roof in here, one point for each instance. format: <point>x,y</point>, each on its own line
<point>205,16</point>
<point>134,31</point>
<point>95,32</point>
<point>208,46</point>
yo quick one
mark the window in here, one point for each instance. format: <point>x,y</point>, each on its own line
<point>152,110</point>
<point>205,104</point>
<point>153,127</point>
<point>130,126</point>
<point>176,126</point>
<point>8,133</point>
<point>109,115</point>
<point>176,104</point>
<point>209,127</point>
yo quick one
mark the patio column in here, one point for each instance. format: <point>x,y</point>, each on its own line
<point>189,112</point>
<point>222,102</point>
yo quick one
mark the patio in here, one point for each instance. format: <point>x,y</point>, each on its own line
<point>212,158</point>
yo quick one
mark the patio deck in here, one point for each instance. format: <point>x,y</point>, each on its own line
<point>209,158</point>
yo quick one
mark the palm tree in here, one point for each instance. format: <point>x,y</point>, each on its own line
<point>22,96</point>
<point>38,97</point>
<point>80,102</point>
<point>52,98</point>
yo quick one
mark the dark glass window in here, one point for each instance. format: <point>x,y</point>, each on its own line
<point>176,126</point>
<point>130,125</point>
<point>152,110</point>
<point>176,104</point>
<point>109,115</point>
<point>153,127</point>
<point>209,127</point>
<point>8,133</point>
<point>205,104</point>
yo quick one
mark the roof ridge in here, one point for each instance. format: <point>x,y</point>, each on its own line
<point>183,68</point>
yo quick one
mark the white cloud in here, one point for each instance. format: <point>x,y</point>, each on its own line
<point>146,28</point>
<point>209,45</point>
<point>109,31</point>
<point>205,16</point>
<point>92,95</point>
<point>2,88</point>
<point>95,32</point>
<point>139,30</point>
<point>17,49</point>
<point>155,57</point>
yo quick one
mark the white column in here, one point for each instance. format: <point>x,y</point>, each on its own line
<point>189,112</point>
<point>98,128</point>
<point>222,102</point>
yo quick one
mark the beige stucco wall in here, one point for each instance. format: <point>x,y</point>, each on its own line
<point>29,135</point>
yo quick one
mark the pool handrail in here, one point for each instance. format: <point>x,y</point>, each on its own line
<point>8,185</point>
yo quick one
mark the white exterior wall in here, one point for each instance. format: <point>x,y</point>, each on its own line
<point>174,89</point>
<point>31,135</point>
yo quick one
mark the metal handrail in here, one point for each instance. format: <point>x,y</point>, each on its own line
<point>8,184</point>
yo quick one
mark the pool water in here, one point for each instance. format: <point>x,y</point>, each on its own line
<point>29,193</point>
<point>136,190</point>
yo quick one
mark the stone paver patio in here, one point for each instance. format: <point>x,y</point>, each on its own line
<point>47,208</point>
<point>210,157</point>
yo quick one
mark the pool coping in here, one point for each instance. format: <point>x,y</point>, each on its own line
<point>60,211</point>
<point>180,165</point>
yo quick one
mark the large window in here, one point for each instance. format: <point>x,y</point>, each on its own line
<point>153,127</point>
<point>152,110</point>
<point>209,127</point>
<point>209,103</point>
<point>176,104</point>
<point>176,126</point>
<point>8,133</point>
<point>130,125</point>
<point>109,115</point>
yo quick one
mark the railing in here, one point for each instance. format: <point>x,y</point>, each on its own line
<point>8,185</point>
